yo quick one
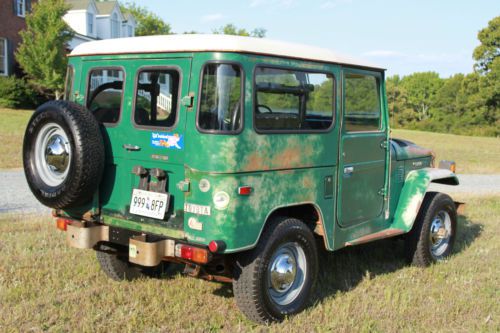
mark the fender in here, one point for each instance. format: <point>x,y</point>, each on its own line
<point>413,192</point>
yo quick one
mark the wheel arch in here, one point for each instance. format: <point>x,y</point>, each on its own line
<point>308,212</point>
<point>414,189</point>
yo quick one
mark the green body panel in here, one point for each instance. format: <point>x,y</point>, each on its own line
<point>283,170</point>
<point>413,192</point>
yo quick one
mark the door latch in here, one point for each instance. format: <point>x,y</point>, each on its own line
<point>384,144</point>
<point>382,192</point>
<point>131,147</point>
<point>188,100</point>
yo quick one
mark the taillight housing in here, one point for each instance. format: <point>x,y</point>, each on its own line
<point>191,253</point>
<point>62,223</point>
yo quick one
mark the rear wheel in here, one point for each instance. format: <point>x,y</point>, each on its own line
<point>114,262</point>
<point>434,231</point>
<point>275,279</point>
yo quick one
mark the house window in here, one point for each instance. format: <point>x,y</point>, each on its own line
<point>3,57</point>
<point>130,32</point>
<point>90,23</point>
<point>115,26</point>
<point>21,8</point>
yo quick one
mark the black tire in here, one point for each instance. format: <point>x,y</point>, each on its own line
<point>421,248</point>
<point>252,284</point>
<point>85,162</point>
<point>114,262</point>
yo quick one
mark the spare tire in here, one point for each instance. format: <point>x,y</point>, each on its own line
<point>63,154</point>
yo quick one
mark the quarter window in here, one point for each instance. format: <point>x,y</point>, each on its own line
<point>68,85</point>
<point>221,99</point>
<point>105,93</point>
<point>156,98</point>
<point>362,103</point>
<point>291,100</point>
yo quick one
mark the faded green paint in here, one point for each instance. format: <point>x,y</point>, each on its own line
<point>283,169</point>
<point>413,192</point>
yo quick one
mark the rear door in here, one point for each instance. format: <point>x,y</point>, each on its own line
<point>362,158</point>
<point>144,137</point>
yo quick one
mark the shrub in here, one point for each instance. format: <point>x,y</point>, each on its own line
<point>16,93</point>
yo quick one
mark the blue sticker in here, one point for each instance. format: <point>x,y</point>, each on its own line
<point>164,140</point>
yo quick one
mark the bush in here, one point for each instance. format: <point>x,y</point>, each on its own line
<point>16,93</point>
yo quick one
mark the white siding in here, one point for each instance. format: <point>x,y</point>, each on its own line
<point>77,20</point>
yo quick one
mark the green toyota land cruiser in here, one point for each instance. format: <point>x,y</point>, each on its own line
<point>240,158</point>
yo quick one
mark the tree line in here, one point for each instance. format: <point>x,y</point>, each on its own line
<point>463,103</point>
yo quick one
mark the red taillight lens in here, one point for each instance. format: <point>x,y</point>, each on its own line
<point>62,224</point>
<point>244,190</point>
<point>216,246</point>
<point>192,253</point>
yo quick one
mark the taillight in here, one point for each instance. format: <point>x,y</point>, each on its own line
<point>216,246</point>
<point>62,223</point>
<point>191,253</point>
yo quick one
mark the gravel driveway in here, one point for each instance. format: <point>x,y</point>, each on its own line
<point>16,197</point>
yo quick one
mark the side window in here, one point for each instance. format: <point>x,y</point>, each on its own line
<point>221,102</point>
<point>105,93</point>
<point>156,98</point>
<point>362,103</point>
<point>68,83</point>
<point>292,100</point>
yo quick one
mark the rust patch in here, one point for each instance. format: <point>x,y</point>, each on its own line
<point>308,182</point>
<point>288,157</point>
<point>256,162</point>
<point>378,235</point>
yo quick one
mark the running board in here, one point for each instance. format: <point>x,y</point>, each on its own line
<point>376,236</point>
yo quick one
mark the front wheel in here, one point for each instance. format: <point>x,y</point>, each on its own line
<point>275,279</point>
<point>434,231</point>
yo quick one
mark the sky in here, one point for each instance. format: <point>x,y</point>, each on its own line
<point>404,36</point>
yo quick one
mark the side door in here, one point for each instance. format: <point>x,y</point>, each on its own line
<point>362,160</point>
<point>144,134</point>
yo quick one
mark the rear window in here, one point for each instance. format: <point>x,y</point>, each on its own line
<point>156,98</point>
<point>362,103</point>
<point>105,93</point>
<point>221,104</point>
<point>292,100</point>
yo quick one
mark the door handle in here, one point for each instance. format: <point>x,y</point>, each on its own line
<point>348,170</point>
<point>130,147</point>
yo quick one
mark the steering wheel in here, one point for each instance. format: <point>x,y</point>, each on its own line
<point>264,107</point>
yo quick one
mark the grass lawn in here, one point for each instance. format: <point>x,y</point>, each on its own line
<point>12,126</point>
<point>47,286</point>
<point>472,154</point>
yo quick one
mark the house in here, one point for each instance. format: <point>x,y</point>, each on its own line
<point>12,18</point>
<point>93,20</point>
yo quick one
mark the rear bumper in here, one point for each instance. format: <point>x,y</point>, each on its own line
<point>141,251</point>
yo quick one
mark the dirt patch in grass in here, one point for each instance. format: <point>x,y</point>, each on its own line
<point>44,285</point>
<point>12,126</point>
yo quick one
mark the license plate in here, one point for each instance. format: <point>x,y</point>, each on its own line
<point>150,204</point>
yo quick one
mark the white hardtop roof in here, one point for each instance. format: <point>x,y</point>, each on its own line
<point>216,43</point>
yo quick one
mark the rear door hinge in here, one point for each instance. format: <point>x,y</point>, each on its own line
<point>188,100</point>
<point>382,192</point>
<point>183,185</point>
<point>384,144</point>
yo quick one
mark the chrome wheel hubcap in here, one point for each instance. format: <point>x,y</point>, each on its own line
<point>440,233</point>
<point>286,273</point>
<point>52,154</point>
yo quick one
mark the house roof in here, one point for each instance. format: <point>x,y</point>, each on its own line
<point>216,43</point>
<point>78,4</point>
<point>105,7</point>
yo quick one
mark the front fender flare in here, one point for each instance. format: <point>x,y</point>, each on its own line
<point>413,193</point>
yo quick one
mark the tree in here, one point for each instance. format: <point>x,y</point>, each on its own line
<point>421,89</point>
<point>231,29</point>
<point>42,52</point>
<point>148,23</point>
<point>489,49</point>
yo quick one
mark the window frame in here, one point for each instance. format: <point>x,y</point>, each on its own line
<point>69,84</point>
<point>5,56</point>
<point>178,104</point>
<point>90,23</point>
<point>23,13</point>
<point>242,97</point>
<point>87,90</point>
<point>298,69</point>
<point>378,77</point>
